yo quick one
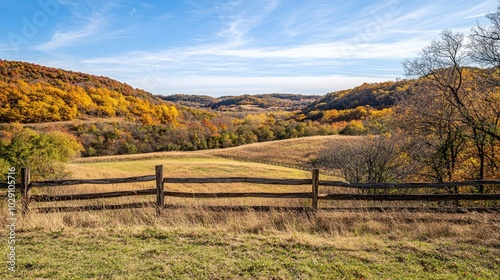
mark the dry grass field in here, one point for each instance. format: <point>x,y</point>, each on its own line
<point>300,151</point>
<point>193,243</point>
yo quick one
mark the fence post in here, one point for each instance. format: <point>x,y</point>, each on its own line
<point>25,188</point>
<point>160,198</point>
<point>315,188</point>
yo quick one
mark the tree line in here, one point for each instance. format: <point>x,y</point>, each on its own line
<point>40,148</point>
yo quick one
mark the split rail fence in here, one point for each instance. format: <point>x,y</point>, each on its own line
<point>314,195</point>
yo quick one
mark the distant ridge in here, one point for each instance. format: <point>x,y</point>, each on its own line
<point>283,101</point>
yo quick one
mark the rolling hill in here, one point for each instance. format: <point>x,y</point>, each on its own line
<point>300,152</point>
<point>31,93</point>
<point>377,96</point>
<point>356,104</point>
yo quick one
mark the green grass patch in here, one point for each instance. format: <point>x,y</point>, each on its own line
<point>154,253</point>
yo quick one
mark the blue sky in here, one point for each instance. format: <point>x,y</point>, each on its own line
<point>231,47</point>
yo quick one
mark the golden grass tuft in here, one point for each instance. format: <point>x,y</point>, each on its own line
<point>479,228</point>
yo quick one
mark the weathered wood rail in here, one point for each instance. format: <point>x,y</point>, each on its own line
<point>93,181</point>
<point>315,196</point>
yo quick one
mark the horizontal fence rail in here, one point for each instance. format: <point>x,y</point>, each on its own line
<point>267,181</point>
<point>315,196</point>
<point>233,195</point>
<point>408,185</point>
<point>41,198</point>
<point>93,181</point>
<point>409,197</point>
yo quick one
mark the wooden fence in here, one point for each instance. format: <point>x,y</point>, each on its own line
<point>314,195</point>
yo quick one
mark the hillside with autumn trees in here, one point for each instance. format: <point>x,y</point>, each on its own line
<point>375,95</point>
<point>31,93</point>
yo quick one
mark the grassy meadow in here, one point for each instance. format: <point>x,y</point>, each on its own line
<point>192,243</point>
<point>297,152</point>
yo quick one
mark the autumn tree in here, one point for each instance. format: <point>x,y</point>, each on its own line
<point>43,153</point>
<point>433,125</point>
<point>448,107</point>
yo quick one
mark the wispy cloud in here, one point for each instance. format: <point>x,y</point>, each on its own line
<point>223,69</point>
<point>477,16</point>
<point>321,20</point>
<point>88,24</point>
<point>227,52</point>
<point>62,38</point>
<point>238,22</point>
<point>422,21</point>
<point>7,48</point>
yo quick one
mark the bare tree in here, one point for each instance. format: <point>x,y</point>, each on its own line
<point>373,159</point>
<point>485,42</point>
